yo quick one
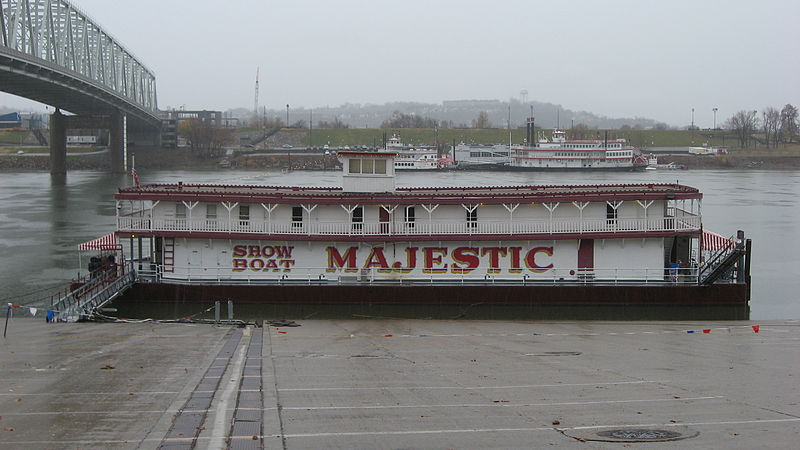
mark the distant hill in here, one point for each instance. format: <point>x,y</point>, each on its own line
<point>455,113</point>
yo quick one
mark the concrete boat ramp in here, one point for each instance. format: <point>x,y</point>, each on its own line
<point>401,384</point>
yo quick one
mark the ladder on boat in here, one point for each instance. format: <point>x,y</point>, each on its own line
<point>722,262</point>
<point>94,292</point>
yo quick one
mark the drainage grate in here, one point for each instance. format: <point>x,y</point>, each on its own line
<point>554,354</point>
<point>644,435</point>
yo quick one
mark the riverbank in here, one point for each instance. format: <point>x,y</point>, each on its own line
<point>158,158</point>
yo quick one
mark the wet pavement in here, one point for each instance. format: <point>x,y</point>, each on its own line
<point>400,384</point>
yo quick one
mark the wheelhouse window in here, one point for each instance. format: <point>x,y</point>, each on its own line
<point>297,215</point>
<point>211,211</point>
<point>367,166</point>
<point>358,218</point>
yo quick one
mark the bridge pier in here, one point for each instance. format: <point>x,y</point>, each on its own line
<point>58,143</point>
<point>59,124</point>
<point>116,142</point>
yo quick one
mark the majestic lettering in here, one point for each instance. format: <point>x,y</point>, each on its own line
<point>465,260</point>
<point>337,261</point>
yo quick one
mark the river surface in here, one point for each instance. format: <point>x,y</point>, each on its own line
<point>44,218</point>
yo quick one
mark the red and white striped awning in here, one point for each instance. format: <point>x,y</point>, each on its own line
<point>713,241</point>
<point>108,242</point>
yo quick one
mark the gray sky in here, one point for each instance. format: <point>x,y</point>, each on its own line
<point>656,59</point>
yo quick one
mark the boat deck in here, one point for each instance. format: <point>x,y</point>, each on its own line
<point>399,383</point>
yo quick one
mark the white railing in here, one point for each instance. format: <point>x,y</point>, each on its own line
<point>360,276</point>
<point>419,228</point>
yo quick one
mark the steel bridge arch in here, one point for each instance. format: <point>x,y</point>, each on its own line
<point>52,52</point>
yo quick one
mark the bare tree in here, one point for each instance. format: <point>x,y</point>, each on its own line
<point>771,122</point>
<point>206,138</point>
<point>579,131</point>
<point>483,120</point>
<point>743,124</point>
<point>336,123</point>
<point>789,123</point>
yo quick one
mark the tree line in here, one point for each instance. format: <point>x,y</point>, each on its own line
<point>778,127</point>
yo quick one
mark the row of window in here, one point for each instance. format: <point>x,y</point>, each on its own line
<point>368,166</point>
<point>409,214</point>
<point>487,154</point>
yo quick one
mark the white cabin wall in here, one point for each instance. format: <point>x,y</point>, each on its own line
<point>637,258</point>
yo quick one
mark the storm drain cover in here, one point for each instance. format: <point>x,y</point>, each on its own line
<point>644,435</point>
<point>554,354</point>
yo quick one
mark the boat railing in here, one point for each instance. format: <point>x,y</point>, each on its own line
<point>361,276</point>
<point>92,291</point>
<point>419,227</point>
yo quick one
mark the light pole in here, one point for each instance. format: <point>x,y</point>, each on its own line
<point>692,126</point>
<point>287,115</point>
<point>715,116</point>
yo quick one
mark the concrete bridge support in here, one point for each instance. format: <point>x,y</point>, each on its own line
<point>116,142</point>
<point>58,143</point>
<point>59,124</point>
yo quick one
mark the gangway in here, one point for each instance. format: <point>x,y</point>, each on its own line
<point>722,261</point>
<point>93,292</point>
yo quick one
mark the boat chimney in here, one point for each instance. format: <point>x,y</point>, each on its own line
<point>367,171</point>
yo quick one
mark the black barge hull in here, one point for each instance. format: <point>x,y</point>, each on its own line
<point>729,294</point>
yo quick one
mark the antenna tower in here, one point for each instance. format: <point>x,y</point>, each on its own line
<point>255,102</point>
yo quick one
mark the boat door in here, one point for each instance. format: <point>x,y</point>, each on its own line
<point>585,258</point>
<point>384,220</point>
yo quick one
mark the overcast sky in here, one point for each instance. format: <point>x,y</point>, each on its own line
<point>619,58</point>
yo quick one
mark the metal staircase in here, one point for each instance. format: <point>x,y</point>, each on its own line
<point>721,262</point>
<point>94,292</point>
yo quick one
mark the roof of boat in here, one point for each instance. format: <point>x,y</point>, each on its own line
<point>408,195</point>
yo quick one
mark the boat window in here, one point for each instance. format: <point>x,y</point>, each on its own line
<point>380,166</point>
<point>358,217</point>
<point>180,210</point>
<point>472,218</point>
<point>297,215</point>
<point>367,165</point>
<point>611,213</point>
<point>409,216</point>
<point>355,166</point>
<point>244,214</point>
<point>211,211</point>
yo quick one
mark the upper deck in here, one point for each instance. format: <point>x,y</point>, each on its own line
<point>408,196</point>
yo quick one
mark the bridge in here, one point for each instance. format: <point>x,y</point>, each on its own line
<point>53,53</point>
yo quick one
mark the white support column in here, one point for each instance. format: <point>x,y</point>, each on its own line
<point>581,206</point>
<point>269,207</point>
<point>190,206</point>
<point>511,207</point>
<point>229,206</point>
<point>430,208</point>
<point>349,209</point>
<point>645,205</point>
<point>551,207</point>
<point>308,208</point>
<point>614,204</point>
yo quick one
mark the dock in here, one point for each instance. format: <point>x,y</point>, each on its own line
<point>400,384</point>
